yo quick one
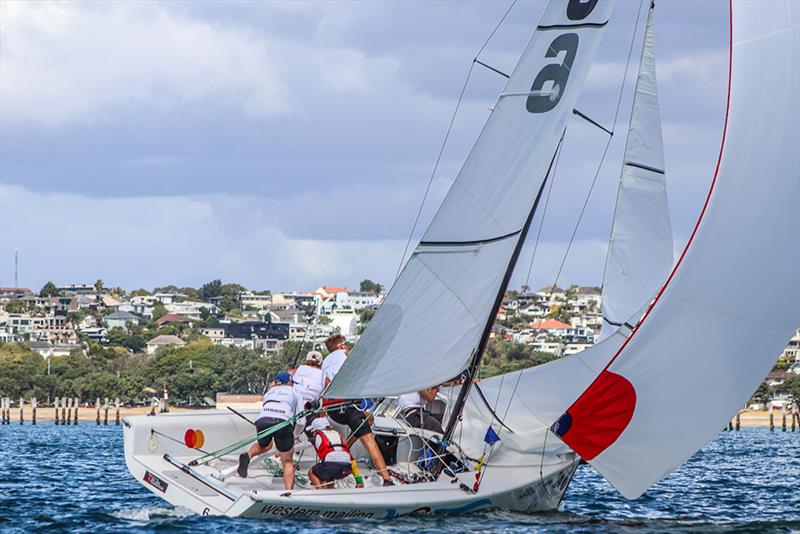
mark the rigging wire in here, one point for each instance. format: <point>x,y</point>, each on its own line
<point>605,150</point>
<point>541,223</point>
<point>447,136</point>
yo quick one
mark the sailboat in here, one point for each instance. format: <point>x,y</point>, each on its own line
<point>713,323</point>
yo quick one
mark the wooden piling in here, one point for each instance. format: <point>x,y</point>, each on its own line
<point>76,403</point>
<point>97,406</point>
<point>794,417</point>
<point>738,422</point>
<point>771,421</point>
<point>783,421</point>
<point>68,419</point>
<point>116,409</point>
<point>55,408</point>
<point>2,410</point>
<point>22,413</point>
<point>64,411</point>
<point>34,405</point>
<point>105,417</point>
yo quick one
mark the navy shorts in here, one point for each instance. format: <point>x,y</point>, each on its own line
<point>284,437</point>
<point>328,471</point>
<point>355,420</point>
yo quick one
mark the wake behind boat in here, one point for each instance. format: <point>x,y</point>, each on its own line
<point>513,442</point>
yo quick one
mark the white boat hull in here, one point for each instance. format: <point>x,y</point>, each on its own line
<point>158,459</point>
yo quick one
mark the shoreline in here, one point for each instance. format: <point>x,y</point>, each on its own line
<point>88,414</point>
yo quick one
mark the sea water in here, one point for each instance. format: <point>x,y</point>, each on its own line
<point>73,479</point>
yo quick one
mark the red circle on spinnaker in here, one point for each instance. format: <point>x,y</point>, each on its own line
<point>190,438</point>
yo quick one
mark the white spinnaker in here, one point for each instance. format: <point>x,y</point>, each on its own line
<point>734,298</point>
<point>431,322</point>
<point>535,398</point>
<point>640,249</point>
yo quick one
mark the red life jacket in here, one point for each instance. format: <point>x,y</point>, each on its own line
<point>328,445</point>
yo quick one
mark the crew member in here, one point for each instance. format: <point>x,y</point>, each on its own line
<point>307,377</point>
<point>332,452</point>
<point>355,419</point>
<point>280,404</point>
<point>415,414</point>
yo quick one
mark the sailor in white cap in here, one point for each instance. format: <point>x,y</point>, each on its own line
<point>308,377</point>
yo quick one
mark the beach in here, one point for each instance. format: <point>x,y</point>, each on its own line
<point>88,413</point>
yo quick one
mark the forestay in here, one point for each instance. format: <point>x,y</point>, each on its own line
<point>432,320</point>
<point>733,299</point>
<point>640,249</point>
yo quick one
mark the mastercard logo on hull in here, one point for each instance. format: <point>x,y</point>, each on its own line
<point>194,438</point>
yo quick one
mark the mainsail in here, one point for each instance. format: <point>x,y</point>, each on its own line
<point>435,317</point>
<point>733,298</point>
<point>640,249</point>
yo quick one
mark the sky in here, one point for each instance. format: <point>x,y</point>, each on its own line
<point>288,145</point>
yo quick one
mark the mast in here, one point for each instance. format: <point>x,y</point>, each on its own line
<point>470,372</point>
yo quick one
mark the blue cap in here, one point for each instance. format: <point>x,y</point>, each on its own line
<point>283,378</point>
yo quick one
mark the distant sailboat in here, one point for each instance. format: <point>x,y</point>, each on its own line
<point>616,405</point>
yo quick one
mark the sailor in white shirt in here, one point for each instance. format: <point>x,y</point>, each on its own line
<point>281,402</point>
<point>357,420</point>
<point>415,414</point>
<point>307,377</point>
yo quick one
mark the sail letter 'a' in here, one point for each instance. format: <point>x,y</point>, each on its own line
<point>640,249</point>
<point>432,320</point>
<point>733,300</point>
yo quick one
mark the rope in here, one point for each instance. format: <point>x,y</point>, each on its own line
<point>208,457</point>
<point>154,431</point>
<point>446,137</point>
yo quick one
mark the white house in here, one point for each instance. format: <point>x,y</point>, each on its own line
<point>588,296</point>
<point>191,309</point>
<point>121,319</point>
<point>357,300</point>
<point>163,341</point>
<point>345,320</point>
<point>792,351</point>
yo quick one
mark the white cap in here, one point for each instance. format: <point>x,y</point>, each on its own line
<point>314,356</point>
<point>320,423</point>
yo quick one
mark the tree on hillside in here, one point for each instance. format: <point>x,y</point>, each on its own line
<point>141,292</point>
<point>368,286</point>
<point>211,289</point>
<point>99,285</point>
<point>792,386</point>
<point>16,306</point>
<point>49,290</point>
<point>762,394</point>
<point>159,310</point>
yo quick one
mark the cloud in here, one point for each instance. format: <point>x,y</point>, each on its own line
<point>153,241</point>
<point>65,62</point>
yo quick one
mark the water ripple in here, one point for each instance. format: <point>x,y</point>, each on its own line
<point>66,479</point>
